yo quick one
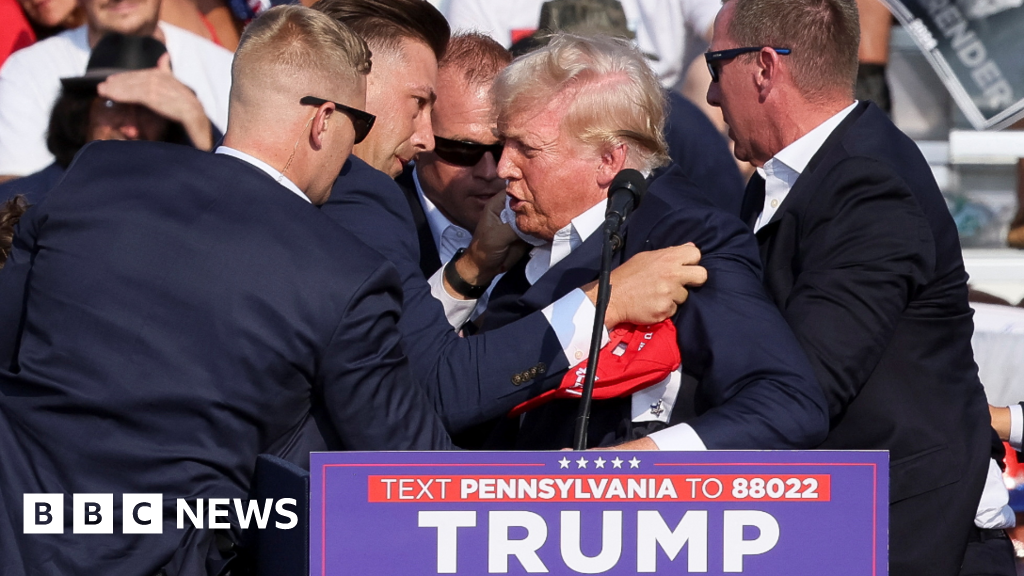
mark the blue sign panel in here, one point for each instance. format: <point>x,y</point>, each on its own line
<point>597,512</point>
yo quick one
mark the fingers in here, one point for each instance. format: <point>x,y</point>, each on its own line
<point>164,63</point>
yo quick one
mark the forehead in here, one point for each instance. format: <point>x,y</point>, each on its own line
<point>535,120</point>
<point>458,99</point>
<point>721,28</point>
<point>412,64</point>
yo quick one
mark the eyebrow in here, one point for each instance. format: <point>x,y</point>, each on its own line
<point>431,95</point>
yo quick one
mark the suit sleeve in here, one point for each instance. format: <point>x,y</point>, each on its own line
<point>757,389</point>
<point>367,386</point>
<point>468,380</point>
<point>863,259</point>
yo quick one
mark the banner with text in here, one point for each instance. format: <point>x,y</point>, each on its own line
<point>975,47</point>
<point>475,513</point>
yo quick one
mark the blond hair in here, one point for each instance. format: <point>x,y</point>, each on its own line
<point>296,48</point>
<point>615,98</point>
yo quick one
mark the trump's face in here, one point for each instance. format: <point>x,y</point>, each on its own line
<point>552,176</point>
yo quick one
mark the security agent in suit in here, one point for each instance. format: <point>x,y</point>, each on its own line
<point>470,380</point>
<point>863,259</point>
<point>449,187</point>
<point>168,314</point>
<point>573,115</point>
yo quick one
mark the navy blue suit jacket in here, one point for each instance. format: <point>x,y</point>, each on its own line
<point>34,186</point>
<point>755,388</point>
<point>864,261</point>
<point>469,379</point>
<point>166,316</point>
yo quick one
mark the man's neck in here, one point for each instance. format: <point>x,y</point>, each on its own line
<point>153,30</point>
<point>794,122</point>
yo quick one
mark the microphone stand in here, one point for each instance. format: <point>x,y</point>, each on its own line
<point>612,242</point>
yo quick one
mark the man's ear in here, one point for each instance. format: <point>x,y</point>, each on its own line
<point>769,72</point>
<point>613,160</point>
<point>319,125</point>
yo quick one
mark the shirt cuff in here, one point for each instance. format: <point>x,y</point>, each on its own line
<point>572,319</point>
<point>455,310</point>
<point>678,437</point>
<point>1016,426</point>
<point>994,510</point>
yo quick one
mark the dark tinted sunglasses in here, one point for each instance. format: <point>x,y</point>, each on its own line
<point>361,121</point>
<point>712,57</point>
<point>464,153</point>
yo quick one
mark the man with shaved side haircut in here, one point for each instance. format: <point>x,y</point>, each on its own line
<point>188,311</point>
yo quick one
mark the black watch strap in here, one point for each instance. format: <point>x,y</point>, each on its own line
<point>451,274</point>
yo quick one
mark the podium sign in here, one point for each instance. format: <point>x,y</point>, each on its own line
<point>596,512</point>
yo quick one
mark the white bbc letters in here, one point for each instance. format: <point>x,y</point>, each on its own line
<point>43,513</point>
<point>92,514</point>
<point>142,513</point>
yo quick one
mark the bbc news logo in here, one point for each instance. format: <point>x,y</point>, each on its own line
<point>144,513</point>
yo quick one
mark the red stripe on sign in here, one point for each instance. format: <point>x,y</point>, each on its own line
<point>612,488</point>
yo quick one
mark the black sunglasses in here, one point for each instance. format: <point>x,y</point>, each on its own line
<point>361,121</point>
<point>712,57</point>
<point>465,153</point>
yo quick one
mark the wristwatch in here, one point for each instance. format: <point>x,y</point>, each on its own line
<point>451,274</point>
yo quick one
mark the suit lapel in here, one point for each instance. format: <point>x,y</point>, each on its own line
<point>430,261</point>
<point>804,185</point>
<point>576,269</point>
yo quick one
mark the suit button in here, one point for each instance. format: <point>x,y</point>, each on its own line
<point>517,379</point>
<point>541,368</point>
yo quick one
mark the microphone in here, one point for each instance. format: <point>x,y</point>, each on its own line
<point>625,193</point>
<point>628,187</point>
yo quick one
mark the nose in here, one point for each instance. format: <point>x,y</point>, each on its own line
<point>423,137</point>
<point>714,96</point>
<point>487,167</point>
<point>507,169</point>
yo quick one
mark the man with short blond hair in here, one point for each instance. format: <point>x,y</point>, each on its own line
<point>189,311</point>
<point>573,115</point>
<point>863,259</point>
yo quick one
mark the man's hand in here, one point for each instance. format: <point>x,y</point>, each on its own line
<point>158,90</point>
<point>650,286</point>
<point>494,249</point>
<point>1000,421</point>
<point>644,443</point>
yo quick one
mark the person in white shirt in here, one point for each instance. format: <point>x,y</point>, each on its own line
<point>448,188</point>
<point>195,92</point>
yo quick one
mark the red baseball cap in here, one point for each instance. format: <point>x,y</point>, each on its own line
<point>634,358</point>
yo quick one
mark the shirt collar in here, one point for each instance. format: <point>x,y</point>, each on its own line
<point>576,232</point>
<point>267,168</point>
<point>798,155</point>
<point>437,221</point>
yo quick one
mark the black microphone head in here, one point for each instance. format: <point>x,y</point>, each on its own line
<point>631,180</point>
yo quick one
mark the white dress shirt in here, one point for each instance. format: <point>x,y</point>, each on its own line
<point>448,239</point>
<point>270,170</point>
<point>780,173</point>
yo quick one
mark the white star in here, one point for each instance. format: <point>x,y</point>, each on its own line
<point>617,463</point>
<point>599,462</point>
<point>582,462</point>
<point>564,462</point>
<point>634,463</point>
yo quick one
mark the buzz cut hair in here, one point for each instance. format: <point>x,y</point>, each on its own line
<point>824,36</point>
<point>478,56</point>
<point>383,24</point>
